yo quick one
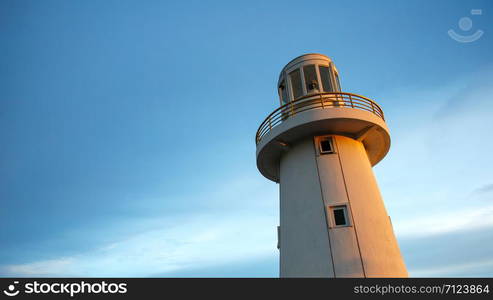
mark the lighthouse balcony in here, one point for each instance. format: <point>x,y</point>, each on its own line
<point>335,113</point>
<point>327,100</point>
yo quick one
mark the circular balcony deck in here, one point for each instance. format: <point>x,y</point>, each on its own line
<point>324,113</point>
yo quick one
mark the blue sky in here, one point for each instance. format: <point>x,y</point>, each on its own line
<point>128,127</point>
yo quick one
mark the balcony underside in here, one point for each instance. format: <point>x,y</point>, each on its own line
<point>359,124</point>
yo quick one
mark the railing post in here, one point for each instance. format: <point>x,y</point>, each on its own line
<point>351,101</point>
<point>321,101</point>
<point>270,125</point>
<point>372,107</point>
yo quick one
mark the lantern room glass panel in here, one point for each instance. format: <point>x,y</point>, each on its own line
<point>296,84</point>
<point>311,81</point>
<point>325,78</point>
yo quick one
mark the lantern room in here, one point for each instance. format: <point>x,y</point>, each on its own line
<point>305,75</point>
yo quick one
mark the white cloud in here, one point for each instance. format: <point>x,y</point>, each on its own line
<point>441,154</point>
<point>453,270</point>
<point>440,158</point>
<point>47,268</point>
<point>469,218</point>
<point>239,224</point>
<point>195,241</point>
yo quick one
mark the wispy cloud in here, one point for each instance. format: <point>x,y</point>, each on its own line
<point>484,189</point>
<point>464,252</point>
<point>454,269</point>
<point>53,267</point>
<point>445,222</point>
<point>238,224</point>
<point>194,241</point>
<point>439,155</point>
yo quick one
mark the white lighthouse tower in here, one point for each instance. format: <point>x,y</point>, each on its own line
<point>320,146</point>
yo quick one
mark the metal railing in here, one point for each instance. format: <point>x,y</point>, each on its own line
<point>316,101</point>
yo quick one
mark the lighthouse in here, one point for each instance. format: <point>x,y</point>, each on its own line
<point>320,145</point>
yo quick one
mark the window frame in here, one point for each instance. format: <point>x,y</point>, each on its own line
<point>286,92</point>
<point>337,82</point>
<point>302,83</point>
<point>331,141</point>
<point>317,79</point>
<point>347,215</point>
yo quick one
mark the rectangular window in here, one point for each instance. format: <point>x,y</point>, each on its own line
<point>339,215</point>
<point>325,77</point>
<point>326,145</point>
<point>296,85</point>
<point>311,81</point>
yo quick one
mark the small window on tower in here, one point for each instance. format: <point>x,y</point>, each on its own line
<point>340,216</point>
<point>326,146</point>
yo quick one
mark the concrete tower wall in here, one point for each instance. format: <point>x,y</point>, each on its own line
<point>345,248</point>
<point>304,242</point>
<point>310,244</point>
<point>378,246</point>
